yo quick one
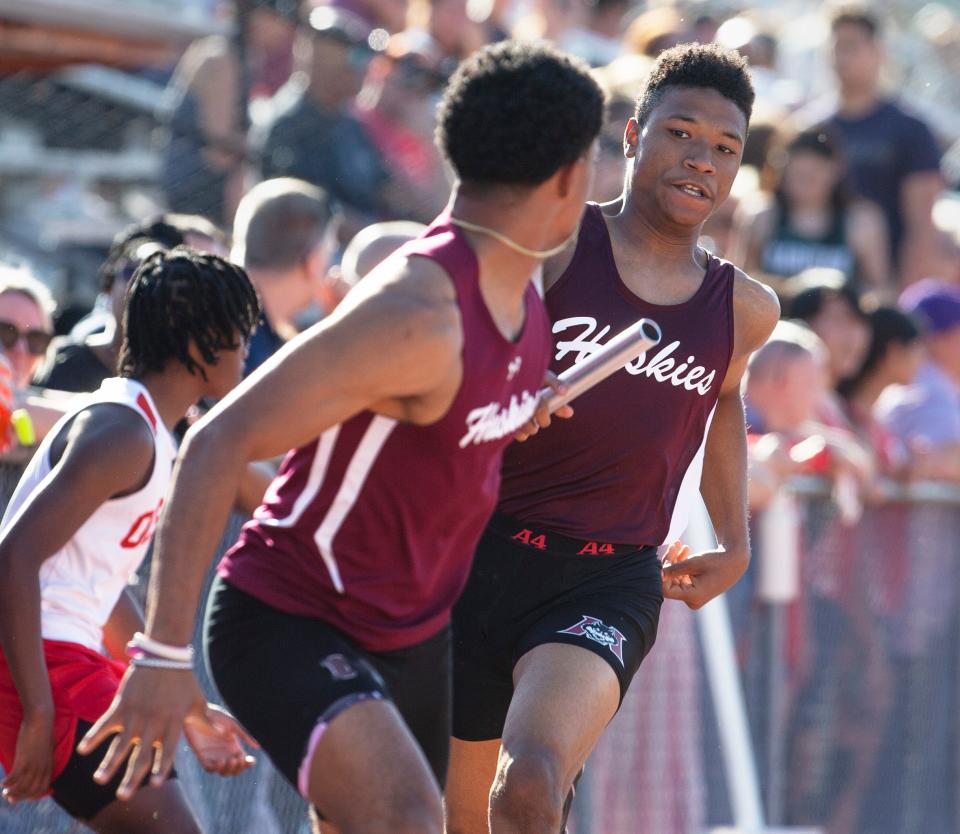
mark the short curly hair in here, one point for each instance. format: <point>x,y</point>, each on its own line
<point>698,65</point>
<point>515,112</point>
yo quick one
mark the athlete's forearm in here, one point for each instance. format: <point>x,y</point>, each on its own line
<point>20,633</point>
<point>724,485</point>
<point>205,484</point>
<point>125,620</point>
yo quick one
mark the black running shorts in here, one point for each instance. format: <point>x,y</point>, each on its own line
<point>281,675</point>
<point>74,789</point>
<point>529,587</point>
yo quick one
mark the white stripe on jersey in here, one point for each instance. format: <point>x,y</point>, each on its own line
<point>353,480</point>
<point>318,472</point>
<point>689,487</point>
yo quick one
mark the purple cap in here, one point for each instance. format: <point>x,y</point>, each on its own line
<point>935,303</point>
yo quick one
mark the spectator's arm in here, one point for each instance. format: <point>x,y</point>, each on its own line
<point>761,485</point>
<point>917,197</point>
<point>216,87</point>
<point>847,453</point>
<point>919,158</point>
<point>869,240</point>
<point>768,465</point>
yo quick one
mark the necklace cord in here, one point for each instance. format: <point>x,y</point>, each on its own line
<point>510,243</point>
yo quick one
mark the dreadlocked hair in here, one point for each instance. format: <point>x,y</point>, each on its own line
<point>181,298</point>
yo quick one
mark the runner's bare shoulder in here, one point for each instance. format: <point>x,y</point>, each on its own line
<point>407,308</point>
<point>756,311</point>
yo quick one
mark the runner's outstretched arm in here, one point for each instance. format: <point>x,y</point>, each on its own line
<point>697,579</point>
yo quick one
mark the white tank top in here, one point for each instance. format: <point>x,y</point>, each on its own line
<point>81,583</point>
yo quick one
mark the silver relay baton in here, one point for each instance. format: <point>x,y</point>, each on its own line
<point>628,344</point>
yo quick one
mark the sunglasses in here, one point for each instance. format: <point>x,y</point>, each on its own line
<point>37,340</point>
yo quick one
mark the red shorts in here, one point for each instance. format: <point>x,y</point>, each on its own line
<point>83,683</point>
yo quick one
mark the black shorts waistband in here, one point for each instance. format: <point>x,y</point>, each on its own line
<point>537,538</point>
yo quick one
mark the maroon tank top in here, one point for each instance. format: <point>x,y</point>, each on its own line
<point>372,526</point>
<point>626,466</point>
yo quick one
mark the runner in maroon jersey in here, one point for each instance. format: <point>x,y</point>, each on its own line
<point>328,631</point>
<point>564,596</point>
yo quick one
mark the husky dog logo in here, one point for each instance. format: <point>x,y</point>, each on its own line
<point>339,667</point>
<point>599,632</point>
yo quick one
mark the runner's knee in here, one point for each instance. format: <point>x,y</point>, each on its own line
<point>529,791</point>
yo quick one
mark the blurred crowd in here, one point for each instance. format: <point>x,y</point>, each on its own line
<point>304,139</point>
<point>301,145</point>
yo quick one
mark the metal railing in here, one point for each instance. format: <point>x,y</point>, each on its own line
<point>847,630</point>
<point>846,655</point>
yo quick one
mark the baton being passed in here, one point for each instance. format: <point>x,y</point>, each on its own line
<point>628,344</point>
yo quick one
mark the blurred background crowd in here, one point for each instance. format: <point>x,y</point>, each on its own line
<point>297,137</point>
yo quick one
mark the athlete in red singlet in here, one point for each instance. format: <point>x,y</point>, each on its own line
<point>328,631</point>
<point>565,592</point>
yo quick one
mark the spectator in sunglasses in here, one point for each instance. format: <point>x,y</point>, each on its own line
<point>26,323</point>
<point>26,330</point>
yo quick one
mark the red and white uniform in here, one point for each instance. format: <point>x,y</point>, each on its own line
<point>81,583</point>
